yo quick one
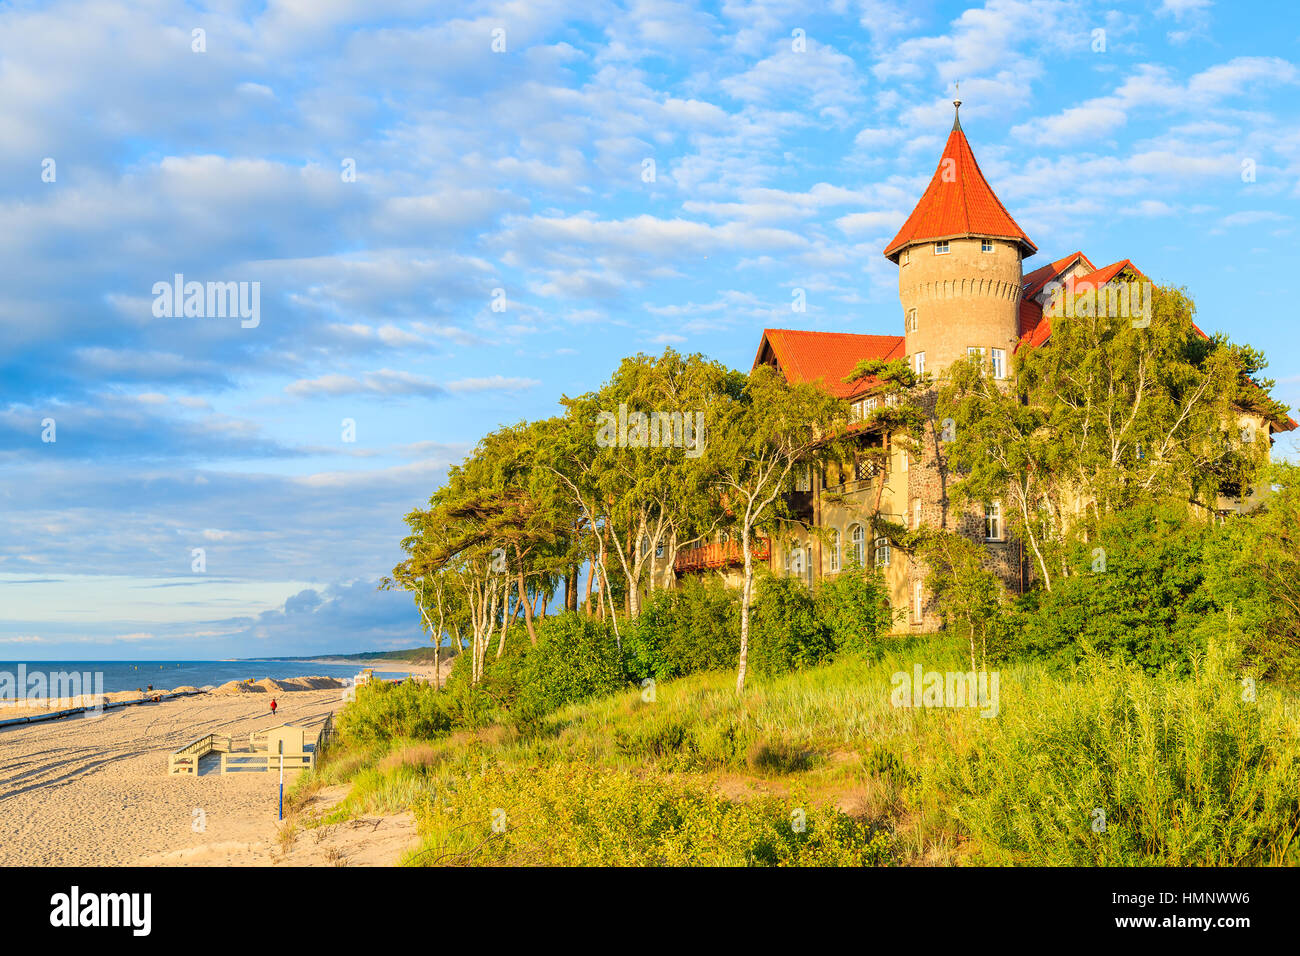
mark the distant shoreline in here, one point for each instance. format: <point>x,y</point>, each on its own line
<point>390,665</point>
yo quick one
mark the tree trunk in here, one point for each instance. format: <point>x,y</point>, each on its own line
<point>528,610</point>
<point>744,613</point>
<point>591,573</point>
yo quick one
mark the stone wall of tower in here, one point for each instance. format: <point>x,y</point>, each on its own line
<point>963,299</point>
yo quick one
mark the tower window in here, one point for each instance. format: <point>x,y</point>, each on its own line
<point>986,245</point>
<point>974,352</point>
<point>918,363</point>
<point>918,598</point>
<point>941,248</point>
<point>911,320</point>
<point>999,362</point>
<point>906,257</point>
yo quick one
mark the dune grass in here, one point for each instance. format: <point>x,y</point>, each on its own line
<point>819,768</point>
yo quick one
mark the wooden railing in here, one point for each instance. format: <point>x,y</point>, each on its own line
<point>718,555</point>
<point>186,760</point>
<point>265,762</point>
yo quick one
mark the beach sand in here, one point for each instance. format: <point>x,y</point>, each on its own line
<point>392,667</point>
<point>96,792</point>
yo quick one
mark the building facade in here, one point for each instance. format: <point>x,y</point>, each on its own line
<point>962,291</point>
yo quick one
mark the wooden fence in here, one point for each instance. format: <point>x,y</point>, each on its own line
<point>258,758</point>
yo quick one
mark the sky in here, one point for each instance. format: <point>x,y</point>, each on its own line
<point>456,213</point>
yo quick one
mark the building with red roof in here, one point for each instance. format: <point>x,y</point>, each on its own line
<point>963,291</point>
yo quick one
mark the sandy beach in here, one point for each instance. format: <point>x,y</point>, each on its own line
<point>95,791</point>
<point>393,667</point>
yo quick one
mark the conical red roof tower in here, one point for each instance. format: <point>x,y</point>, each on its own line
<point>958,203</point>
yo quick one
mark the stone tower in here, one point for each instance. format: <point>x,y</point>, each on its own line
<point>958,257</point>
<point>959,281</point>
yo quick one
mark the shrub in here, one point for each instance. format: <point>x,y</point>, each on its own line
<point>1143,607</point>
<point>785,632</point>
<point>854,608</point>
<point>1180,772</point>
<point>694,627</point>
<point>576,658</point>
<point>1252,569</point>
<point>569,814</point>
<point>383,711</point>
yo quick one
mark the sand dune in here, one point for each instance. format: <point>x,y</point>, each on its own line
<point>95,791</point>
<point>268,685</point>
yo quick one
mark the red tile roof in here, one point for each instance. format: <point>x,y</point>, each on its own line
<point>1035,281</point>
<point>826,356</point>
<point>1099,277</point>
<point>1031,313</point>
<point>958,202</point>
<point>1036,327</point>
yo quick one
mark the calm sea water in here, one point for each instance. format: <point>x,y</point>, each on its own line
<point>164,675</point>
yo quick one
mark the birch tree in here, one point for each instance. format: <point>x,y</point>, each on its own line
<point>761,436</point>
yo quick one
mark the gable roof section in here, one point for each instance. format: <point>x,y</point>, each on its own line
<point>1035,281</point>
<point>1036,328</point>
<point>1099,277</point>
<point>826,356</point>
<point>1035,322</point>
<point>958,202</point>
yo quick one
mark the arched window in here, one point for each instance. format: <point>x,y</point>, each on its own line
<point>835,551</point>
<point>880,553</point>
<point>858,544</point>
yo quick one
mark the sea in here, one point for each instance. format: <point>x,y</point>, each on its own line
<point>165,675</point>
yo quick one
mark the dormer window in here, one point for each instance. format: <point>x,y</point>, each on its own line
<point>986,245</point>
<point>941,248</point>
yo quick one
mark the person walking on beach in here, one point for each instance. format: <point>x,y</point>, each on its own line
<point>272,706</point>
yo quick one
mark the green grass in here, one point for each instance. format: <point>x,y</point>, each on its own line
<point>818,768</point>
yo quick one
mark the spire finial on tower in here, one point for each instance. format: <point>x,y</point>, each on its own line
<point>956,114</point>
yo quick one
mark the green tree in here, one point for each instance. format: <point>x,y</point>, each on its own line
<point>761,435</point>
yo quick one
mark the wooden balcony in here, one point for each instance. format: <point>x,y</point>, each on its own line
<point>709,557</point>
<point>800,504</point>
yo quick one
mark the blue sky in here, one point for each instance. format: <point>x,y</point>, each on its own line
<point>788,140</point>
